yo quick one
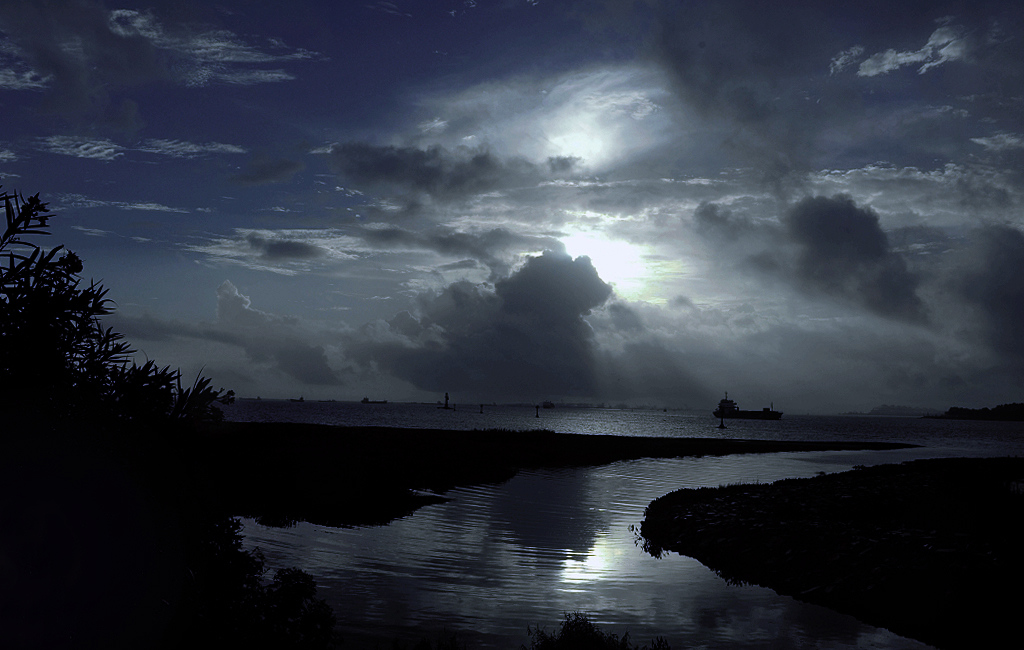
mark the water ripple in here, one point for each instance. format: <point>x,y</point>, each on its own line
<point>499,557</point>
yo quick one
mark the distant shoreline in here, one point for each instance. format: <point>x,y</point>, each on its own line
<point>1001,413</point>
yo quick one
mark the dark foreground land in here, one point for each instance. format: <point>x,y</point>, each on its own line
<point>346,476</point>
<point>124,537</point>
<point>929,549</point>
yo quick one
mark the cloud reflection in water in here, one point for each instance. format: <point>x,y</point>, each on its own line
<point>498,558</point>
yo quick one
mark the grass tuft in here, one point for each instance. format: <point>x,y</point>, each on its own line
<point>577,632</point>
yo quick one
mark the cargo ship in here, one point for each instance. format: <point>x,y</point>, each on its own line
<point>727,408</point>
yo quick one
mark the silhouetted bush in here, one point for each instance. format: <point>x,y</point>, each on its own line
<point>577,632</point>
<point>60,368</point>
<point>228,604</point>
<point>57,360</point>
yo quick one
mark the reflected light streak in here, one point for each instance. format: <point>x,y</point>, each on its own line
<point>600,563</point>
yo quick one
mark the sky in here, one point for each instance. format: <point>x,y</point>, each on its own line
<point>811,204</point>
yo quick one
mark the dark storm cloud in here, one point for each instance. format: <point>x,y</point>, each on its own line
<point>405,324</point>
<point>437,171</point>
<point>741,66</point>
<point>147,327</point>
<point>652,370</point>
<point>779,82</point>
<point>269,338</point>
<point>493,248</point>
<point>306,363</point>
<point>728,60</point>
<point>461,265</point>
<point>978,193</point>
<point>262,170</point>
<point>84,54</point>
<point>525,339</point>
<point>991,280</point>
<point>235,309</point>
<point>919,239</point>
<point>843,253</point>
<point>681,302</point>
<point>564,164</point>
<point>716,222</point>
<point>553,288</point>
<point>72,45</point>
<point>824,247</point>
<point>281,343</point>
<point>278,250</point>
<point>624,319</point>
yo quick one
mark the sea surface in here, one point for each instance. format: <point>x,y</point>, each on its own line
<point>498,559</point>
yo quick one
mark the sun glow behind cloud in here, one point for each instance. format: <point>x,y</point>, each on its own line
<point>582,140</point>
<point>618,262</point>
<point>599,117</point>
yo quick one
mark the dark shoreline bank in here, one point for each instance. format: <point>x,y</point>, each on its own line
<point>927,549</point>
<point>112,525</point>
<point>351,476</point>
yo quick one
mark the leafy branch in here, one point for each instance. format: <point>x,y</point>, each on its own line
<point>56,358</point>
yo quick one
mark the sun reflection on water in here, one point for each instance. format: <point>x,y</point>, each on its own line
<point>599,563</point>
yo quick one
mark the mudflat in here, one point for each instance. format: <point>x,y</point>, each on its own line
<point>347,476</point>
<point>928,549</point>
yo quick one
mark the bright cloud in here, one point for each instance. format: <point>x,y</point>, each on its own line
<point>79,147</point>
<point>180,149</point>
<point>618,262</point>
<point>600,116</point>
<point>946,44</point>
<point>1001,141</point>
<point>845,59</point>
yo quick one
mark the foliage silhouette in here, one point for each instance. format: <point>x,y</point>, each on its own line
<point>1004,412</point>
<point>69,387</point>
<point>577,632</point>
<point>232,607</point>
<point>57,359</point>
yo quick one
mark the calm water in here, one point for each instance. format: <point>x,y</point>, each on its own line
<point>498,558</point>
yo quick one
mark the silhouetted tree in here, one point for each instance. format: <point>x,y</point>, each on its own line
<point>56,359</point>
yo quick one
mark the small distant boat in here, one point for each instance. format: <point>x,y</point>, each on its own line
<point>367,400</point>
<point>547,405</point>
<point>727,408</point>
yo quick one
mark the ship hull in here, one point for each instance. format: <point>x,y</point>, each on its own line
<point>749,415</point>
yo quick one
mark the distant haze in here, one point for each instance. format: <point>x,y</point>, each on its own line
<point>623,202</point>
